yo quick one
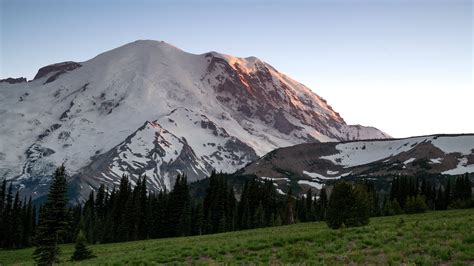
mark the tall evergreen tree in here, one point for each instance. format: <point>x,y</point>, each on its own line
<point>322,204</point>
<point>309,206</point>
<point>348,206</point>
<point>289,208</point>
<point>53,221</point>
<point>28,223</point>
<point>16,222</point>
<point>7,218</point>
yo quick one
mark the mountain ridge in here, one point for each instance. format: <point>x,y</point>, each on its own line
<point>74,112</point>
<point>314,164</point>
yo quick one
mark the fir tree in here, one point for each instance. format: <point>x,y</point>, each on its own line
<point>7,218</point>
<point>289,209</point>
<point>322,204</point>
<point>28,223</point>
<point>81,252</point>
<point>309,206</point>
<point>16,222</point>
<point>53,221</point>
<point>348,206</point>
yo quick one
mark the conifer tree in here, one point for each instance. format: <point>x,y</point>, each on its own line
<point>322,204</point>
<point>28,223</point>
<point>7,216</point>
<point>16,222</point>
<point>100,211</point>
<point>53,221</point>
<point>143,210</point>
<point>309,206</point>
<point>289,208</point>
<point>197,219</point>
<point>81,252</point>
<point>447,193</point>
<point>361,210</point>
<point>348,206</point>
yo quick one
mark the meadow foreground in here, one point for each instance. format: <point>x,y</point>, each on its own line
<point>430,238</point>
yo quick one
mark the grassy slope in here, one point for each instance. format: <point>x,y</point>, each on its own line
<point>431,238</point>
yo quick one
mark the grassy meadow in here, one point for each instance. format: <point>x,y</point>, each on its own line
<point>442,237</point>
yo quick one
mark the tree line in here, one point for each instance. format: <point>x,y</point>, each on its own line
<point>131,212</point>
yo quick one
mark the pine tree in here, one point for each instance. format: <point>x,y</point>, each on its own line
<point>89,217</point>
<point>143,210</point>
<point>448,193</point>
<point>322,204</point>
<point>340,204</point>
<point>179,211</point>
<point>361,210</point>
<point>100,211</point>
<point>348,206</point>
<point>119,231</point>
<point>309,206</point>
<point>7,242</point>
<point>259,217</point>
<point>16,222</point>
<point>81,252</point>
<point>28,223</point>
<point>53,221</point>
<point>197,219</point>
<point>289,209</point>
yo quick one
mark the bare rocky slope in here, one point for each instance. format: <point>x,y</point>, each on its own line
<point>311,165</point>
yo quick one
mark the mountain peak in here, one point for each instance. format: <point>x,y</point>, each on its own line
<point>116,110</point>
<point>152,44</point>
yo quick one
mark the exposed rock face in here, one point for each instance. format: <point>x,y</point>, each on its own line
<point>148,108</point>
<point>13,80</point>
<point>55,70</point>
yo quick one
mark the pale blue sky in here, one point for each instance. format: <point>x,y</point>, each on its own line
<point>404,66</point>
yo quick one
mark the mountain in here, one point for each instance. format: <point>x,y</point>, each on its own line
<point>149,108</point>
<point>313,164</point>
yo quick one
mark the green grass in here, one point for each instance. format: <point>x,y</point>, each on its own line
<point>443,237</point>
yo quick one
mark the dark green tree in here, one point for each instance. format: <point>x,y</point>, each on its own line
<point>81,252</point>
<point>322,204</point>
<point>53,221</point>
<point>348,206</point>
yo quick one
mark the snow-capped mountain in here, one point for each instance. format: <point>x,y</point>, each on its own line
<point>313,164</point>
<point>149,108</point>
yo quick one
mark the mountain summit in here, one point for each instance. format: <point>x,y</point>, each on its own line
<point>149,108</point>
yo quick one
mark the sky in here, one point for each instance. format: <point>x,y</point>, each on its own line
<point>403,66</point>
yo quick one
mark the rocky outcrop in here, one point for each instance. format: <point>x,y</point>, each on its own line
<point>13,80</point>
<point>56,70</point>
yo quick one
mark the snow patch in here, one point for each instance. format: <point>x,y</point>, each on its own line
<point>276,178</point>
<point>310,183</point>
<point>316,175</point>
<point>458,144</point>
<point>461,168</point>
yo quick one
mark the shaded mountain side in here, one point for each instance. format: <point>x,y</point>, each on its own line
<point>314,164</point>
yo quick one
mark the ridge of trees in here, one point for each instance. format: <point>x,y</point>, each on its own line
<point>131,212</point>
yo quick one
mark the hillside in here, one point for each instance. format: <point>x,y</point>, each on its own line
<point>311,165</point>
<point>149,108</point>
<point>442,237</point>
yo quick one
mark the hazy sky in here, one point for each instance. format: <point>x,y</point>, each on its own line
<point>405,67</point>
